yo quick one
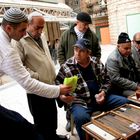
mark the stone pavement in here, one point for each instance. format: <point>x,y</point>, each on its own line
<point>13,96</point>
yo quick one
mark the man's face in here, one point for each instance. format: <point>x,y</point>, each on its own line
<point>81,55</point>
<point>136,41</point>
<point>36,26</point>
<point>17,32</point>
<point>82,26</point>
<point>125,49</point>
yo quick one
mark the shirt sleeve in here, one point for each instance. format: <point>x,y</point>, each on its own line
<point>12,66</point>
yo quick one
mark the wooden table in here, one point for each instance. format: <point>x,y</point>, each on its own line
<point>122,123</point>
<point>134,99</point>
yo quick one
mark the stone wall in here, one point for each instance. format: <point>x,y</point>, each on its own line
<point>117,12</point>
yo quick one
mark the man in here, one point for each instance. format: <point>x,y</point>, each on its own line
<point>14,26</point>
<point>91,93</point>
<point>123,72</point>
<point>136,48</point>
<point>36,57</point>
<point>79,30</point>
<point>68,39</point>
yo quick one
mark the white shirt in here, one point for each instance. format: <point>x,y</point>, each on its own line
<point>10,64</point>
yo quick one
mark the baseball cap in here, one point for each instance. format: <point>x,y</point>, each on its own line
<point>83,43</point>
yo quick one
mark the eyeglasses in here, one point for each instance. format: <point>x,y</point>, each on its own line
<point>138,42</point>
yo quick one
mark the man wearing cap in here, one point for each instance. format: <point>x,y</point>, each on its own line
<point>122,69</point>
<point>91,93</point>
<point>14,26</point>
<point>69,37</point>
<point>35,55</point>
<point>79,30</point>
<point>136,48</point>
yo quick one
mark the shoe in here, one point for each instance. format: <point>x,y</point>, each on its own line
<point>63,137</point>
<point>68,126</point>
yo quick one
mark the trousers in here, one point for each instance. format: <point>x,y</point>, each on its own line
<point>82,114</point>
<point>16,127</point>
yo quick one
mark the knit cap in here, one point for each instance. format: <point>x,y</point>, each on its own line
<point>15,15</point>
<point>123,38</point>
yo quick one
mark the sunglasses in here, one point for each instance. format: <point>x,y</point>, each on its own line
<point>138,42</point>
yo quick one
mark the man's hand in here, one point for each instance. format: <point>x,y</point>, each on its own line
<point>66,98</point>
<point>64,89</point>
<point>137,92</point>
<point>100,97</point>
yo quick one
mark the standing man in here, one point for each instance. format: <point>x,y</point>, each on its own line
<point>79,30</point>
<point>35,55</point>
<point>14,26</point>
<point>69,37</point>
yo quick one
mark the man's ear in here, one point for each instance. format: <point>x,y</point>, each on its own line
<point>8,28</point>
<point>118,45</point>
<point>89,51</point>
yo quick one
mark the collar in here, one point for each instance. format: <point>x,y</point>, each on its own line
<point>5,34</point>
<point>138,50</point>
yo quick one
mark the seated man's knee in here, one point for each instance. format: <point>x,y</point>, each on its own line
<point>81,118</point>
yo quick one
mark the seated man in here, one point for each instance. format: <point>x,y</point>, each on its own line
<point>91,93</point>
<point>136,48</point>
<point>122,69</point>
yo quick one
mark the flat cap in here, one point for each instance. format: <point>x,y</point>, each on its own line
<point>84,17</point>
<point>15,15</point>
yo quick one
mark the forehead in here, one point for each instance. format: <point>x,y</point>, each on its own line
<point>38,20</point>
<point>83,22</point>
<point>125,45</point>
<point>76,48</point>
<point>22,26</point>
<point>137,37</point>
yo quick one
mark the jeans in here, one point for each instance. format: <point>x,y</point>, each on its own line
<point>82,114</point>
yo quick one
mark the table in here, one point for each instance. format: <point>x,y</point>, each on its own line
<point>134,99</point>
<point>122,123</point>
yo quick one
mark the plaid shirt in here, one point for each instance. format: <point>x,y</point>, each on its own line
<point>82,93</point>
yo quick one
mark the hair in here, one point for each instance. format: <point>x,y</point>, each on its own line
<point>33,14</point>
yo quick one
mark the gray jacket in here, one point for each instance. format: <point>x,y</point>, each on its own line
<point>136,56</point>
<point>123,76</point>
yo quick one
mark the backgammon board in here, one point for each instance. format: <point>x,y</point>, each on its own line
<point>122,123</point>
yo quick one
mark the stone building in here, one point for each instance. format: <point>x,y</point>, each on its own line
<point>124,16</point>
<point>98,11</point>
<point>110,17</point>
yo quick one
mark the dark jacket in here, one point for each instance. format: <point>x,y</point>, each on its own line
<point>69,38</point>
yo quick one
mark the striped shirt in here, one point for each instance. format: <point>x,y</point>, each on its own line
<point>78,33</point>
<point>10,64</point>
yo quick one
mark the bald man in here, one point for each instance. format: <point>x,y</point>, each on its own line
<point>35,55</point>
<point>136,48</point>
<point>13,26</point>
